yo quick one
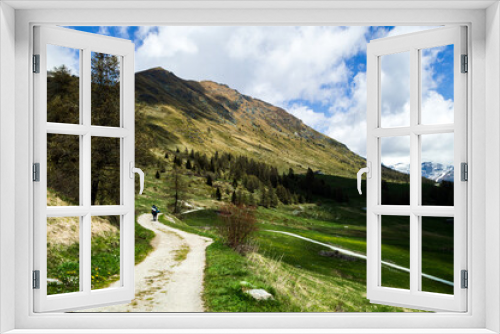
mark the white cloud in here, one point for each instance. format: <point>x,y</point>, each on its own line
<point>347,123</point>
<point>60,55</point>
<point>276,64</point>
<point>316,120</point>
<point>438,148</point>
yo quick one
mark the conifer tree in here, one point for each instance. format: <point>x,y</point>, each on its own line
<point>218,194</point>
<point>188,164</point>
<point>166,155</point>
<point>157,174</point>
<point>209,180</point>
<point>233,198</point>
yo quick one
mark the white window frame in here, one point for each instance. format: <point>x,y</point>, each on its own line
<point>484,103</point>
<point>376,210</point>
<point>86,44</point>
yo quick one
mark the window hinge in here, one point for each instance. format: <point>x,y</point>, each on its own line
<point>465,64</point>
<point>36,63</point>
<point>36,172</point>
<point>36,279</point>
<point>464,171</point>
<point>465,279</point>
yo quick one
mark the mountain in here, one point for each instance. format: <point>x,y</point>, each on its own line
<point>173,113</point>
<point>433,171</point>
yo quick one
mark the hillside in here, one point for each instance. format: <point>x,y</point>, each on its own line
<point>206,116</point>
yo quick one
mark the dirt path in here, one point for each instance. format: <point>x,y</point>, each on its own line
<point>170,279</point>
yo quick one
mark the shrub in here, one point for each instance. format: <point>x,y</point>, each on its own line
<point>237,225</point>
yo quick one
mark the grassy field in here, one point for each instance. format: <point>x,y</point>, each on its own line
<point>63,260</point>
<point>293,269</point>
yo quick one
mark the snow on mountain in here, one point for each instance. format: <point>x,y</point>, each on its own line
<point>431,170</point>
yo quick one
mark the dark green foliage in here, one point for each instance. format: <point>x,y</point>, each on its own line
<point>209,180</point>
<point>188,164</point>
<point>218,194</point>
<point>105,89</point>
<point>166,155</point>
<point>63,101</point>
<point>177,161</point>
<point>157,174</point>
<point>233,197</point>
<point>251,183</point>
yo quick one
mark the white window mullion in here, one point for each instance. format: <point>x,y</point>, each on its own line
<point>414,173</point>
<point>85,181</point>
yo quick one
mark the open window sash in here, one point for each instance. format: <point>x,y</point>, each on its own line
<point>415,297</point>
<point>85,45</point>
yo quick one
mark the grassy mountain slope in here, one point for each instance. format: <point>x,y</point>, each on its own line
<point>207,117</point>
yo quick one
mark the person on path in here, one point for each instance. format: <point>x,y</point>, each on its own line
<point>155,211</point>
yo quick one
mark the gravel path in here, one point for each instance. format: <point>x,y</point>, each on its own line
<point>170,279</point>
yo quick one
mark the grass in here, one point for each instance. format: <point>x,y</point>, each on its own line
<point>181,254</point>
<point>63,261</point>
<point>338,224</point>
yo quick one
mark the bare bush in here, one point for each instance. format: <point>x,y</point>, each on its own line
<point>237,225</point>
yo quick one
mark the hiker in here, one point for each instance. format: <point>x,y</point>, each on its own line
<point>155,211</point>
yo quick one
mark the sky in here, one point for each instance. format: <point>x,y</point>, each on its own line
<point>316,73</point>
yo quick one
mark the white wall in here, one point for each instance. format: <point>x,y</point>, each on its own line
<point>7,160</point>
<point>492,165</point>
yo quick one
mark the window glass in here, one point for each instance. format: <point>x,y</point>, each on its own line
<point>63,255</point>
<point>395,90</point>
<point>63,84</point>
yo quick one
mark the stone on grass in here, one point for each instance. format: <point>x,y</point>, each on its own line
<point>260,294</point>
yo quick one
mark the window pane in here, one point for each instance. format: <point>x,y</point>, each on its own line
<point>395,251</point>
<point>105,252</point>
<point>395,170</point>
<point>63,255</point>
<point>437,169</point>
<point>105,89</point>
<point>437,254</point>
<point>105,188</point>
<point>437,85</point>
<point>395,90</point>
<point>63,170</point>
<point>63,84</point>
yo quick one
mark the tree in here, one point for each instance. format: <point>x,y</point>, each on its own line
<point>218,194</point>
<point>252,183</point>
<point>178,187</point>
<point>265,199</point>
<point>166,155</point>
<point>157,174</point>
<point>188,164</point>
<point>237,224</point>
<point>105,104</point>
<point>273,198</point>
<point>209,180</point>
<point>235,183</point>
<point>177,161</point>
<point>283,194</point>
<point>233,197</point>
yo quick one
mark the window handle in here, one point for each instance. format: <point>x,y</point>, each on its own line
<point>368,171</point>
<point>134,170</point>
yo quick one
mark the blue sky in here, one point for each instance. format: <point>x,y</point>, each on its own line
<point>316,73</point>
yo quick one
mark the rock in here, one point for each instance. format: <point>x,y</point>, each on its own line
<point>336,254</point>
<point>260,294</point>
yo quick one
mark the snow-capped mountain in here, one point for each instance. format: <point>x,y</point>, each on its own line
<point>431,170</point>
